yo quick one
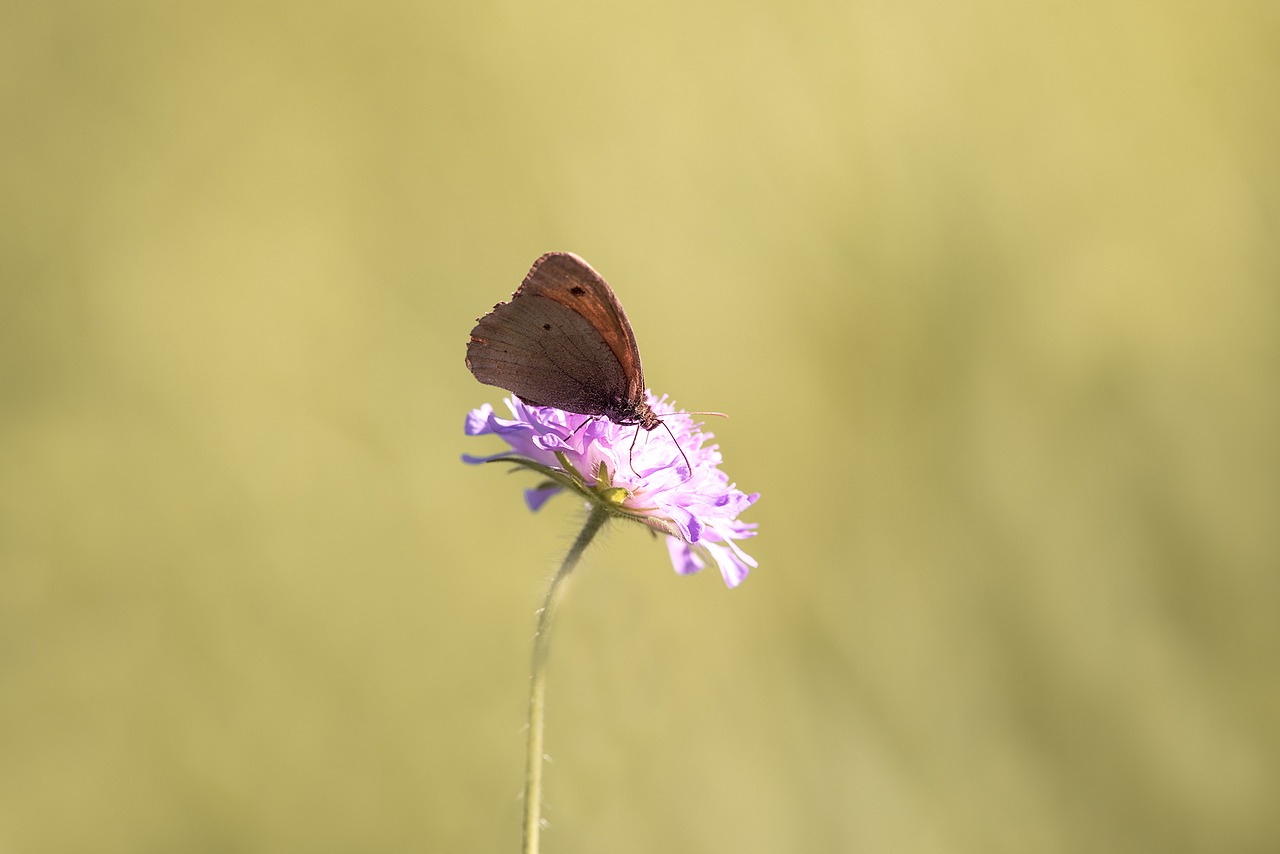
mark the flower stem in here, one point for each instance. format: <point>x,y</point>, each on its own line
<point>538,680</point>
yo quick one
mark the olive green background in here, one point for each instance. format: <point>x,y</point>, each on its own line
<point>989,290</point>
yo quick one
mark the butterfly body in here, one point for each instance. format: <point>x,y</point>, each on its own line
<point>563,340</point>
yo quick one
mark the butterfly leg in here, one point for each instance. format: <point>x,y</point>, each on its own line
<point>631,453</point>
<point>583,424</point>
<point>688,468</point>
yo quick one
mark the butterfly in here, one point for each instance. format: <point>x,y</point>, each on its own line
<point>564,341</point>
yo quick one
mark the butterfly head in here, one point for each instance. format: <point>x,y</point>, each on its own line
<point>646,417</point>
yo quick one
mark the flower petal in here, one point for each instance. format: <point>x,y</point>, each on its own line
<point>683,558</point>
<point>538,496</point>
<point>733,570</point>
<point>478,420</point>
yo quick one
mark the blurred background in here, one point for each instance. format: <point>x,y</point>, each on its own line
<point>989,290</point>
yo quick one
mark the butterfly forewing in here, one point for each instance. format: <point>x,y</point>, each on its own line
<point>544,344</point>
<point>570,281</point>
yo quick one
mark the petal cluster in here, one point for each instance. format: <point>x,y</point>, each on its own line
<point>643,475</point>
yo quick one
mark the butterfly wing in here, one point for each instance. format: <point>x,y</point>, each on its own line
<point>563,340</point>
<point>570,281</point>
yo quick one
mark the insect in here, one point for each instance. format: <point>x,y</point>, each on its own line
<point>563,340</point>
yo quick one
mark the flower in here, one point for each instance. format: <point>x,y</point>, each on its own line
<point>645,478</point>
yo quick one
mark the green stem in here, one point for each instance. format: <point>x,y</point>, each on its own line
<point>538,681</point>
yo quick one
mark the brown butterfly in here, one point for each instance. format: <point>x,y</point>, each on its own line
<point>563,340</point>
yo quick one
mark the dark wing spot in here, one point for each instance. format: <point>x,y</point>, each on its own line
<point>577,290</point>
<point>546,326</point>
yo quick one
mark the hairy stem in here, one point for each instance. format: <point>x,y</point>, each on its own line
<point>538,681</point>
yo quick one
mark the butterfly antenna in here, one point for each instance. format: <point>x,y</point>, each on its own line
<point>632,452</point>
<point>716,414</point>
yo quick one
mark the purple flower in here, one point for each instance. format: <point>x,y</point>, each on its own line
<point>692,503</point>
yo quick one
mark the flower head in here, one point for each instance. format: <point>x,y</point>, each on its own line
<point>643,477</point>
